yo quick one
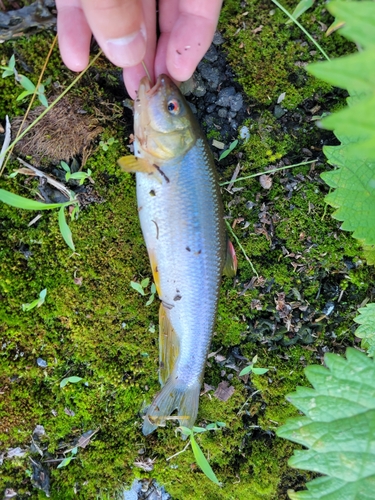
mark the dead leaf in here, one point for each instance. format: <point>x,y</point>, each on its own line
<point>147,465</point>
<point>257,30</point>
<point>85,439</point>
<point>207,388</point>
<point>15,452</point>
<point>224,391</point>
<point>69,412</point>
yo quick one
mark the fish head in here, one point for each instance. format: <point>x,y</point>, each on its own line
<point>164,125</point>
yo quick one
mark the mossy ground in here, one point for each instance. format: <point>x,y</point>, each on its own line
<point>99,328</point>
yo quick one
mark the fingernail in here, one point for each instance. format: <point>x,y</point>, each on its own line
<point>128,50</point>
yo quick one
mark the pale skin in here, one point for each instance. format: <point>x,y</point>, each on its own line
<point>126,32</point>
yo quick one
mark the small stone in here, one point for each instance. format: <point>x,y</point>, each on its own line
<point>231,114</point>
<point>200,89</point>
<point>224,97</point>
<point>278,111</point>
<point>211,108</point>
<point>193,107</point>
<point>210,74</point>
<point>236,102</point>
<point>222,113</point>
<point>40,362</point>
<point>245,133</point>
<point>211,54</point>
<point>218,38</point>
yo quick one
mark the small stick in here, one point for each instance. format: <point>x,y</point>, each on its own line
<point>146,71</point>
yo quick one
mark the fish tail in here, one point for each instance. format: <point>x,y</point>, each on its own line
<point>173,396</point>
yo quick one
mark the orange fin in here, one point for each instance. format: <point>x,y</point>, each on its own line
<point>133,164</point>
<point>230,265</point>
<point>168,346</point>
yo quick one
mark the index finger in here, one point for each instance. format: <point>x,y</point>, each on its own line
<point>190,36</point>
<point>119,29</point>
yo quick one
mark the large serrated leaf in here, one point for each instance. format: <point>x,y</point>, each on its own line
<point>349,72</point>
<point>359,19</point>
<point>354,178</point>
<point>338,429</point>
<point>366,331</point>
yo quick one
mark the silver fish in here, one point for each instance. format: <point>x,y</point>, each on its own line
<point>181,216</point>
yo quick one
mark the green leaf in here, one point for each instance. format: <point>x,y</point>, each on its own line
<point>65,230</point>
<point>150,300</point>
<point>137,287</point>
<point>260,371</point>
<point>12,62</point>
<point>70,380</point>
<point>185,430</point>
<point>202,461</point>
<point>145,282</point>
<point>24,94</point>
<point>338,429</point>
<point>26,83</point>
<point>366,331</point>
<point>301,8</point>
<point>153,288</point>
<point>246,370</point>
<point>20,202</point>
<point>353,179</point>
<point>359,19</point>
<point>225,153</point>
<point>65,166</point>
<point>30,306</point>
<point>43,100</point>
<point>65,462</point>
<point>7,72</point>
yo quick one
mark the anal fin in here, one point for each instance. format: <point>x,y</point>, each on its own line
<point>168,346</point>
<point>230,265</point>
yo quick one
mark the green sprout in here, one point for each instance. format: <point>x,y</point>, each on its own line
<point>252,369</point>
<point>70,380</point>
<point>198,454</point>
<point>141,287</point>
<point>228,151</point>
<point>67,460</point>
<point>79,176</point>
<point>25,82</point>
<point>37,302</point>
<point>105,144</point>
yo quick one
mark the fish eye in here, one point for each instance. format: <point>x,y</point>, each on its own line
<point>173,107</point>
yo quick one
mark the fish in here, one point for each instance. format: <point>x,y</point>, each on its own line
<point>181,216</point>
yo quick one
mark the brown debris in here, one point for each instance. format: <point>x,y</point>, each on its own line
<point>224,391</point>
<point>64,132</point>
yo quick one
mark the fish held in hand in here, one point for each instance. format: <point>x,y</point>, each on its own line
<point>181,216</point>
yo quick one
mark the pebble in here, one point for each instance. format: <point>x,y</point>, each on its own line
<point>222,113</point>
<point>236,102</point>
<point>224,97</point>
<point>278,111</point>
<point>245,133</point>
<point>211,108</point>
<point>200,88</point>
<point>211,54</point>
<point>218,38</point>
<point>210,74</point>
<point>193,107</point>
<point>42,363</point>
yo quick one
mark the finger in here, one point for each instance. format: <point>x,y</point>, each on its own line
<point>74,34</point>
<point>133,75</point>
<point>168,15</point>
<point>191,36</point>
<point>118,26</point>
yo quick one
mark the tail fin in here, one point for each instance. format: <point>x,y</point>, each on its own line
<point>173,396</point>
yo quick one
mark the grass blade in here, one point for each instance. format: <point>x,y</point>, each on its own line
<point>20,202</point>
<point>65,230</point>
<point>202,461</point>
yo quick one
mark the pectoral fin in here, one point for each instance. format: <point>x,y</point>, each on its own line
<point>133,164</point>
<point>168,346</point>
<point>230,265</point>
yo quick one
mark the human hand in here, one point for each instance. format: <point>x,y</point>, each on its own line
<point>126,32</point>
